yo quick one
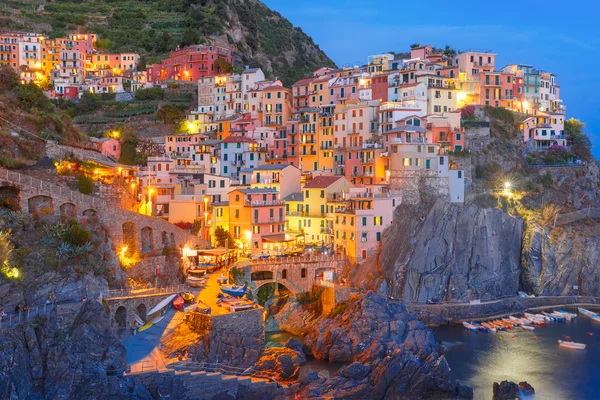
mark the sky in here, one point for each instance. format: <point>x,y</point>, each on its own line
<point>555,36</point>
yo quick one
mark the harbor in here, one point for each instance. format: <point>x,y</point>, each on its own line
<point>478,359</point>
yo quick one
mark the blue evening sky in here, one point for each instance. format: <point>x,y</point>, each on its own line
<point>556,36</point>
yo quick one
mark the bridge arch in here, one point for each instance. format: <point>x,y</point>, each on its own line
<point>10,197</point>
<point>129,238</point>
<point>41,204</point>
<point>91,215</point>
<point>267,290</point>
<point>142,312</point>
<point>68,211</point>
<point>164,237</point>
<point>147,240</point>
<point>121,317</point>
<point>261,276</point>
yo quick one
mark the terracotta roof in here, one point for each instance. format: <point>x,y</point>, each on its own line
<point>304,81</point>
<point>238,139</point>
<point>275,87</point>
<point>321,182</point>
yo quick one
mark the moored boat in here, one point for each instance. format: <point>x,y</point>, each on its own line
<point>572,345</point>
<point>527,327</point>
<point>586,312</point>
<point>469,326</point>
<point>572,315</point>
<point>490,326</point>
<point>479,327</point>
<point>233,290</point>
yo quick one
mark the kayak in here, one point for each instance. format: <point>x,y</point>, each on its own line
<point>480,327</point>
<point>157,320</point>
<point>162,304</point>
<point>572,345</point>
<point>586,312</point>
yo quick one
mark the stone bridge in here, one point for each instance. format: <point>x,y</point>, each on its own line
<point>145,234</point>
<point>297,274</point>
<point>123,307</point>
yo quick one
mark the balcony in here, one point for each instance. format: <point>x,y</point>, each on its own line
<point>238,163</point>
<point>411,141</point>
<point>306,214</point>
<point>266,220</point>
<point>357,174</point>
<point>259,203</point>
<point>327,231</point>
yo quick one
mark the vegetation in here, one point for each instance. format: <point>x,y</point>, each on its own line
<point>581,143</point>
<point>223,237</point>
<point>6,255</point>
<point>149,94</point>
<point>155,27</point>
<point>85,184</point>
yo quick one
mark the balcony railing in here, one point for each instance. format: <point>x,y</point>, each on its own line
<point>306,214</point>
<point>274,220</point>
<point>258,203</point>
<point>411,141</point>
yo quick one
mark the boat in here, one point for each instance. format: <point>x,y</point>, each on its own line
<point>469,326</point>
<point>553,317</point>
<point>138,320</point>
<point>188,297</point>
<point>178,303</point>
<point>560,315</point>
<point>595,317</point>
<point>227,299</point>
<point>166,302</point>
<point>222,279</point>
<point>234,290</point>
<point>572,345</point>
<point>157,320</point>
<point>528,327</point>
<point>241,305</point>
<point>573,315</point>
<point>479,327</point>
<point>490,326</point>
<point>195,282</point>
<point>586,312</point>
<point>509,322</point>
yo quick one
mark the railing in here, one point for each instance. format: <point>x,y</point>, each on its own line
<point>221,368</point>
<point>306,214</point>
<point>559,165</point>
<point>257,203</point>
<point>111,294</point>
<point>12,319</point>
<point>268,220</point>
<point>53,189</point>
<point>299,259</point>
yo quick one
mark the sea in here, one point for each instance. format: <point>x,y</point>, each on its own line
<point>479,359</point>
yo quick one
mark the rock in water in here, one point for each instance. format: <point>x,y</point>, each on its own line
<point>509,390</point>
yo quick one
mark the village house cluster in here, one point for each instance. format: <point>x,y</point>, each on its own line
<point>322,164</point>
<point>326,162</point>
<point>67,67</point>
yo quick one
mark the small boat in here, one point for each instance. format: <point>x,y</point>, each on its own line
<point>178,303</point>
<point>527,327</point>
<point>554,317</point>
<point>509,322</point>
<point>490,326</point>
<point>573,315</point>
<point>195,282</point>
<point>572,345</point>
<point>480,327</point>
<point>586,312</point>
<point>188,297</point>
<point>166,302</point>
<point>469,326</point>
<point>595,317</point>
<point>559,315</point>
<point>222,279</point>
<point>157,320</point>
<point>233,290</point>
<point>241,305</point>
<point>138,320</point>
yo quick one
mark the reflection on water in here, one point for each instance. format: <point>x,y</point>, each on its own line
<point>480,359</point>
<point>311,362</point>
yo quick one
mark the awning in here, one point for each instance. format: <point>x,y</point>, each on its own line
<point>278,238</point>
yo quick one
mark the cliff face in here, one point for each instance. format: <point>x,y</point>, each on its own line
<point>561,261</point>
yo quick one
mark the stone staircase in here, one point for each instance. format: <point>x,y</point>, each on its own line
<point>202,385</point>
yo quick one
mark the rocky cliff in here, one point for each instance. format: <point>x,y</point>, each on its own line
<point>388,353</point>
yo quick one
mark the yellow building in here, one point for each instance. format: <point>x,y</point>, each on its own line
<point>442,93</point>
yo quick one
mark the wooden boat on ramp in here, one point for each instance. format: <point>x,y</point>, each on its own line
<point>572,345</point>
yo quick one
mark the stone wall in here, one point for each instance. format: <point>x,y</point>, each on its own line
<point>37,195</point>
<point>416,184</point>
<point>296,281</point>
<point>333,295</point>
<point>146,270</point>
<point>235,338</point>
<point>131,304</point>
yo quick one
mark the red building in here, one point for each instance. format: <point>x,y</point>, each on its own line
<point>189,64</point>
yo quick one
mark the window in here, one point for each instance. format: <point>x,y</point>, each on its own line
<point>441,160</point>
<point>364,221</point>
<point>459,174</point>
<point>303,273</point>
<point>364,237</point>
<point>306,194</point>
<point>237,213</point>
<point>407,162</point>
<point>379,236</point>
<point>377,221</point>
<point>284,274</point>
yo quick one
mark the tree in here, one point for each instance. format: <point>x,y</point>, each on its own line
<point>89,102</point>
<point>164,43</point>
<point>142,64</point>
<point>129,142</point>
<point>581,144</point>
<point>449,51</point>
<point>8,78</point>
<point>415,45</point>
<point>190,36</point>
<point>6,254</point>
<point>31,96</point>
<point>222,66</point>
<point>170,114</point>
<point>85,184</point>
<point>223,237</point>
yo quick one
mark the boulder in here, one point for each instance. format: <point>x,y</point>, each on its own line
<point>356,371</point>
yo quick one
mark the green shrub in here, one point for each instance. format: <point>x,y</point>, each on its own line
<point>85,184</point>
<point>89,102</point>
<point>149,94</point>
<point>75,235</point>
<point>546,180</point>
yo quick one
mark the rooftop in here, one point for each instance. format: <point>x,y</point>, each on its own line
<point>297,196</point>
<point>271,167</point>
<point>256,190</point>
<point>238,139</point>
<point>321,182</point>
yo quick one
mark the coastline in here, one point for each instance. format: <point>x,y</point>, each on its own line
<point>445,314</point>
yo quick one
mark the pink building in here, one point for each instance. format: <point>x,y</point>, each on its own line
<point>108,146</point>
<point>189,64</point>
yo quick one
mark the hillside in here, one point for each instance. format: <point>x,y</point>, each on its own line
<point>35,119</point>
<point>259,36</point>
